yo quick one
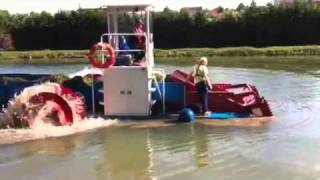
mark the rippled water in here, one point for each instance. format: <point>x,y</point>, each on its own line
<point>288,148</point>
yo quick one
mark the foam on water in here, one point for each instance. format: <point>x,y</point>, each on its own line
<point>47,130</point>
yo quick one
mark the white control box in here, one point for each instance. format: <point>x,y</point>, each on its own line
<point>127,91</point>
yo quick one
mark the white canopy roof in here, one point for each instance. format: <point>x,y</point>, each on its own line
<point>127,8</point>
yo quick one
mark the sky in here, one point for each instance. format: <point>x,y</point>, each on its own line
<point>52,6</point>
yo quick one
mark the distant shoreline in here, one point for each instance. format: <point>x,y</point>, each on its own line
<point>291,58</point>
<point>80,56</point>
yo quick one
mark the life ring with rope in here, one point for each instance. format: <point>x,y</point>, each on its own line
<point>108,50</point>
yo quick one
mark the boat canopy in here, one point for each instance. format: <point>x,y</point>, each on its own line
<point>127,8</point>
<point>130,32</point>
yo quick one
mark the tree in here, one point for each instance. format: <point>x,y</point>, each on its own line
<point>200,19</point>
<point>248,26</point>
<point>4,20</point>
<point>253,4</point>
<point>241,7</point>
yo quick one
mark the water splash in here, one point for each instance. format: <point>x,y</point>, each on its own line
<point>22,112</point>
<point>40,120</point>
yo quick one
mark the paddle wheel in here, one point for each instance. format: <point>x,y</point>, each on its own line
<point>46,103</point>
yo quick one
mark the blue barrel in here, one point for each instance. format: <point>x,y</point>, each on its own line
<point>174,96</point>
<point>186,115</point>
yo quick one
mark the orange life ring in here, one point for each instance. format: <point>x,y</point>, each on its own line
<point>109,51</point>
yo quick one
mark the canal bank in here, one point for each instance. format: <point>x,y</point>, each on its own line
<point>300,64</point>
<point>246,51</point>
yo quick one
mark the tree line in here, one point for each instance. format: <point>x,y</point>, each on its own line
<point>251,25</point>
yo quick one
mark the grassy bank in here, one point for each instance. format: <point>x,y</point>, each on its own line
<point>44,56</point>
<point>79,56</point>
<point>312,50</point>
<point>290,58</point>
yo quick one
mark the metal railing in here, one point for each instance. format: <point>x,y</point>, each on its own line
<point>163,93</point>
<point>115,43</point>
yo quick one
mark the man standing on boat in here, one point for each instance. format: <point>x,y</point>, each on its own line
<point>138,28</point>
<point>200,73</point>
<point>139,43</point>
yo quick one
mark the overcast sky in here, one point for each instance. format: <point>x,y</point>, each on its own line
<point>26,6</point>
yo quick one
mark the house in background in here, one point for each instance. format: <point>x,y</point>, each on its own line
<point>6,41</point>
<point>192,10</point>
<point>217,13</point>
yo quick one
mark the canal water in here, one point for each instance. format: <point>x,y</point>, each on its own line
<point>287,148</point>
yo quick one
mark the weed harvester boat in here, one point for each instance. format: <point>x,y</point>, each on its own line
<point>134,88</point>
<point>125,82</point>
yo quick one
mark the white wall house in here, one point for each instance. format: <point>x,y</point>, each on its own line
<point>291,2</point>
<point>281,2</point>
<point>192,10</point>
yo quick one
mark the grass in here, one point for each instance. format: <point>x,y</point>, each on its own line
<point>310,50</point>
<point>44,56</point>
